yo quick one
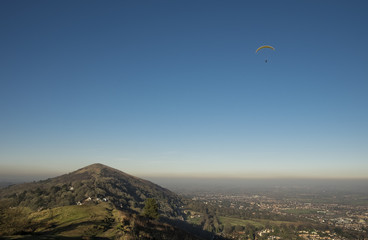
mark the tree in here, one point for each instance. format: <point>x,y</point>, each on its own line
<point>150,209</point>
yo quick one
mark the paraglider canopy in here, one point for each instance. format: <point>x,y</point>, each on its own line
<point>263,47</point>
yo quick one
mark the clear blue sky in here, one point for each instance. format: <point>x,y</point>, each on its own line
<point>174,88</point>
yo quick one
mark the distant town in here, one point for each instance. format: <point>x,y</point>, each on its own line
<point>282,215</point>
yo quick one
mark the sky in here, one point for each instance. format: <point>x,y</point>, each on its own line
<point>175,88</point>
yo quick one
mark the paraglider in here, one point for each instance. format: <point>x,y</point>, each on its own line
<point>263,47</point>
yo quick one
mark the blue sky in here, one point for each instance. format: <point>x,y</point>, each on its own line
<point>174,88</point>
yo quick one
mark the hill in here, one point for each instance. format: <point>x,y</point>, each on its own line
<point>94,202</point>
<point>94,183</point>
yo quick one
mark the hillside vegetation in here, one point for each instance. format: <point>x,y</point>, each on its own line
<point>97,183</point>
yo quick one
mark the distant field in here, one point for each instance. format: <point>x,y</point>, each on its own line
<point>301,211</point>
<point>241,222</point>
<point>244,222</point>
<point>254,222</point>
<point>196,221</point>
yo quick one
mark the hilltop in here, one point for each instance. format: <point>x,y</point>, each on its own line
<point>96,183</point>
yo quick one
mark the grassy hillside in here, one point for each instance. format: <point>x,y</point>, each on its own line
<point>100,221</point>
<point>85,220</point>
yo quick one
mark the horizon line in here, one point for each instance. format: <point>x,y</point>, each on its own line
<point>40,177</point>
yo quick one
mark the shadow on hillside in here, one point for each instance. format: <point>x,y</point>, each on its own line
<point>193,229</point>
<point>53,231</point>
<point>91,226</point>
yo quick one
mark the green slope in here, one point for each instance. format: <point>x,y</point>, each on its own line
<point>97,221</point>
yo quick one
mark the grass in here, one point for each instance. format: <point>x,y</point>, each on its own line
<point>241,222</point>
<point>301,211</point>
<point>71,221</point>
<point>196,221</point>
<point>259,223</point>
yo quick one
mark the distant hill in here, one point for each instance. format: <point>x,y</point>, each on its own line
<point>5,184</point>
<point>94,183</point>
